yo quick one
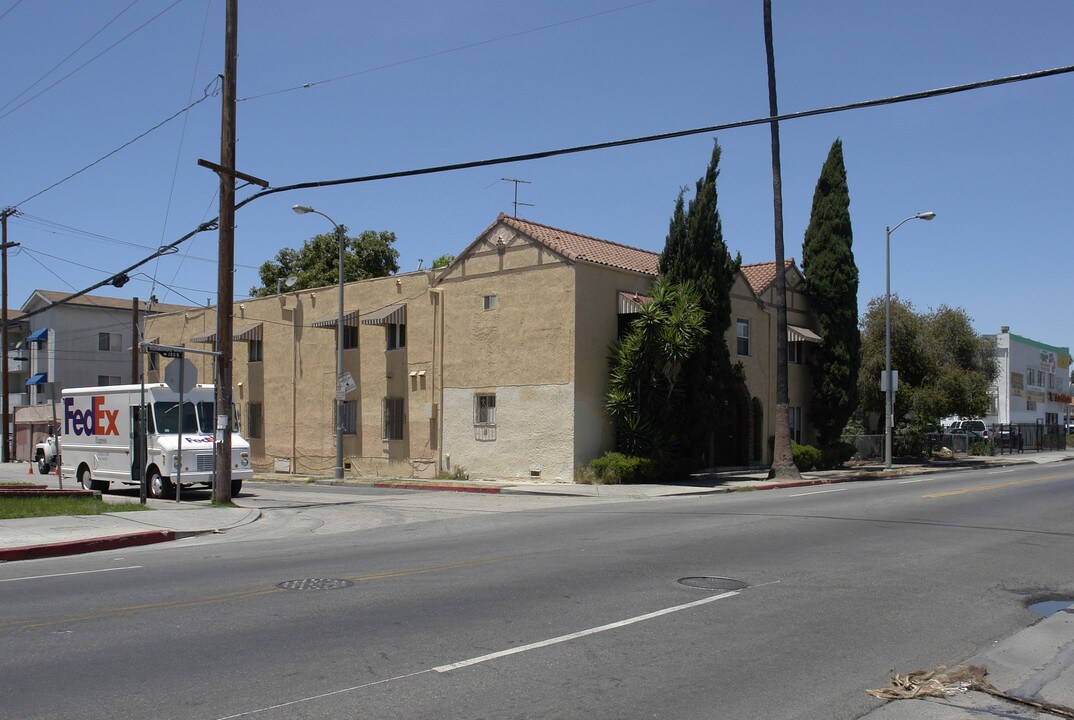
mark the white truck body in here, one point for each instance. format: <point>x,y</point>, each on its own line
<point>97,437</point>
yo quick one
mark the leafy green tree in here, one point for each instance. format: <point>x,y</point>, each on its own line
<point>316,264</point>
<point>945,367</point>
<point>832,281</point>
<point>695,252</point>
<point>647,395</point>
<point>443,261</point>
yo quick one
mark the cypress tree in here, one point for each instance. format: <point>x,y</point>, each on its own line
<point>695,252</point>
<point>832,282</point>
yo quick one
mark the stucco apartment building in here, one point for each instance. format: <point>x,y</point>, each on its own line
<point>496,364</point>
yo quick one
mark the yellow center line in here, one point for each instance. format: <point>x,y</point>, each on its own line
<point>238,595</point>
<point>998,486</point>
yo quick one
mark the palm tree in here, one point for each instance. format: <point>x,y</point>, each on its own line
<point>782,458</point>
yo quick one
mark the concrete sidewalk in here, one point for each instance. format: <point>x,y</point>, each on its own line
<point>1036,664</point>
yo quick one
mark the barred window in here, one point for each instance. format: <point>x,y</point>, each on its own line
<point>393,418</point>
<point>350,417</point>
<point>484,410</point>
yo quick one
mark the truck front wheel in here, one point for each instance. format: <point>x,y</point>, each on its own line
<point>159,487</point>
<point>43,467</point>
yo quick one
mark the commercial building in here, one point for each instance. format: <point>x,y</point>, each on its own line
<point>495,365</point>
<point>1032,381</point>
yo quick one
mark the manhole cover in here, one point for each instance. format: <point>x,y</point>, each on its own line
<point>703,582</point>
<point>315,584</point>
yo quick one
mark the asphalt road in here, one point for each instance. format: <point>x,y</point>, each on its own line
<point>513,607</point>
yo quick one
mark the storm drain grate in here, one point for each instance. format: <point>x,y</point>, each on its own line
<point>315,584</point>
<point>706,582</point>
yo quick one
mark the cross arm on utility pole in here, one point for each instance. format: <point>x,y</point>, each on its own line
<point>235,174</point>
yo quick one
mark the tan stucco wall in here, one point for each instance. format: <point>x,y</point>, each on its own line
<point>597,322</point>
<point>295,383</point>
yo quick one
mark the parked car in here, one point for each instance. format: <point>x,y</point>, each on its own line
<point>976,427</point>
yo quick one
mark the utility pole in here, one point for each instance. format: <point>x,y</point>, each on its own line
<point>135,339</point>
<point>226,261</point>
<point>5,415</point>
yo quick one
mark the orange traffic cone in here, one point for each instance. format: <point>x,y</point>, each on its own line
<point>30,469</point>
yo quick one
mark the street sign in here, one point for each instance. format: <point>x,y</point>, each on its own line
<point>186,369</point>
<point>170,353</point>
<point>345,385</point>
<point>884,380</point>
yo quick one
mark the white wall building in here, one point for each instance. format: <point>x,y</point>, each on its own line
<point>1032,381</point>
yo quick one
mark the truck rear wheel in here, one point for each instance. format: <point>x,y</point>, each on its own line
<point>159,487</point>
<point>236,487</point>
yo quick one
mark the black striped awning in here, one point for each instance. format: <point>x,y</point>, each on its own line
<point>390,315</point>
<point>350,319</point>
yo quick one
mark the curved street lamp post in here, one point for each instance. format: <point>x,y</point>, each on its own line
<point>889,389</point>
<point>341,239</point>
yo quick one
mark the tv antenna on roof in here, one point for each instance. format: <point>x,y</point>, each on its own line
<point>517,203</point>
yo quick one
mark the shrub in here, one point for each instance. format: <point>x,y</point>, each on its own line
<point>614,468</point>
<point>458,473</point>
<point>806,457</point>
<point>981,446</point>
<point>834,455</point>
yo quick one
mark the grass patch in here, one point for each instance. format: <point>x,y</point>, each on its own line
<point>17,484</point>
<point>25,507</point>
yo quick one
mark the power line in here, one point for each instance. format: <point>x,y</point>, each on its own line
<point>107,49</point>
<point>449,51</point>
<point>540,155</point>
<point>72,54</point>
<point>210,91</point>
<point>923,95</point>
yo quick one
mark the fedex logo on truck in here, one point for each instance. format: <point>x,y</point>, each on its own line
<point>97,420</point>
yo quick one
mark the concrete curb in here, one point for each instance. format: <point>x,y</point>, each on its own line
<point>448,488</point>
<point>78,547</point>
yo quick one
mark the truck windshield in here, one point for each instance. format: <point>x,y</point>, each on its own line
<point>207,417</point>
<point>167,417</point>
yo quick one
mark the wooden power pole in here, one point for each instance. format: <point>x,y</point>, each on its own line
<point>226,261</point>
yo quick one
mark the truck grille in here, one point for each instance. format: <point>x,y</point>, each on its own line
<point>205,462</point>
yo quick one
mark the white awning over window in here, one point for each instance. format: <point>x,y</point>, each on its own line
<point>390,315</point>
<point>801,334</point>
<point>630,303</point>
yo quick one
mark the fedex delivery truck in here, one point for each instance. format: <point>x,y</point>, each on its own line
<point>98,436</point>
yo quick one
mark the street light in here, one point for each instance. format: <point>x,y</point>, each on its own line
<point>889,389</point>
<point>302,210</point>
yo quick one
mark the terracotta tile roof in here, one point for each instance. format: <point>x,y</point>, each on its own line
<point>588,249</point>
<point>760,276</point>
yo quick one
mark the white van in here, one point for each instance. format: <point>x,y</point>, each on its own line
<point>97,435</point>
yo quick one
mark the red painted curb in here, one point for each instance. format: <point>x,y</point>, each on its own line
<point>450,488</point>
<point>77,547</point>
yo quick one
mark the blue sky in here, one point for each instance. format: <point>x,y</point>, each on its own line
<point>416,83</point>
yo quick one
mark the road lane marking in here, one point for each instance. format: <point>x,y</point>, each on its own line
<point>582,633</point>
<point>817,492</point>
<point>917,480</point>
<point>491,656</point>
<point>66,574</point>
<point>1000,472</point>
<point>998,486</point>
<point>237,595</point>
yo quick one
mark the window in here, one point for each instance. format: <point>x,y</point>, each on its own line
<point>794,352</point>
<point>794,415</point>
<point>253,428</point>
<point>109,342</point>
<point>1031,376</point>
<point>153,362</point>
<point>257,350</point>
<point>742,336</point>
<point>393,418</point>
<point>350,417</point>
<point>396,335</point>
<point>484,410</point>
<point>490,302</point>
<point>350,337</point>
<point>109,380</point>
<point>1051,381</point>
